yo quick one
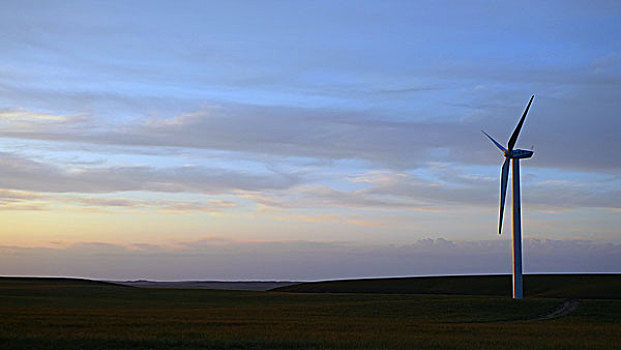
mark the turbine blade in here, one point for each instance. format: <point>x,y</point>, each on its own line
<point>516,132</point>
<point>504,176</point>
<point>494,141</point>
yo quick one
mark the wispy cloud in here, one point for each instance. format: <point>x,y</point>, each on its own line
<point>22,200</point>
<point>564,138</point>
<point>445,185</point>
<point>170,206</point>
<point>449,187</point>
<point>24,174</point>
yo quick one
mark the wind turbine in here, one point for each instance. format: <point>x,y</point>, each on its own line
<point>513,155</point>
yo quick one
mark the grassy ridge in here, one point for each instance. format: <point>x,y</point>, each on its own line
<point>231,285</point>
<point>589,286</point>
<point>79,314</point>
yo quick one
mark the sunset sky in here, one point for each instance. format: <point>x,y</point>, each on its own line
<point>240,140</point>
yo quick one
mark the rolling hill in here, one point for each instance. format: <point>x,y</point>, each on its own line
<point>585,286</point>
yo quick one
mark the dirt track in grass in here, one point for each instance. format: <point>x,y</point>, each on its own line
<point>566,308</point>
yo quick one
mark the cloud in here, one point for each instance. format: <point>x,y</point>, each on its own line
<point>277,131</point>
<point>225,259</point>
<point>20,173</point>
<point>557,126</point>
<point>348,91</point>
<point>449,186</point>
<point>7,196</point>
<point>354,219</point>
<point>170,206</point>
<point>443,186</point>
<point>575,194</point>
<point>28,119</point>
<point>21,200</point>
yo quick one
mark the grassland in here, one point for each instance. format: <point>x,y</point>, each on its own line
<point>78,314</point>
<point>583,286</point>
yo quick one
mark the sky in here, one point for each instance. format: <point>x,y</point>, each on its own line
<point>305,140</point>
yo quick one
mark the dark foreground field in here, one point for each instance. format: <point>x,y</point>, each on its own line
<point>580,286</point>
<point>77,314</point>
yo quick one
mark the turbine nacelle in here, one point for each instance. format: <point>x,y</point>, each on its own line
<point>519,154</point>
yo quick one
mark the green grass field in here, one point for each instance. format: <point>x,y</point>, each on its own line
<point>78,314</point>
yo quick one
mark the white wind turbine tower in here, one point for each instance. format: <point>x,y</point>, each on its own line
<point>514,155</point>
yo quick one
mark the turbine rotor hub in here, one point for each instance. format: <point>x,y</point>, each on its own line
<point>519,154</point>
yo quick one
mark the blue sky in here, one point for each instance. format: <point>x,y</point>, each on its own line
<point>329,128</point>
